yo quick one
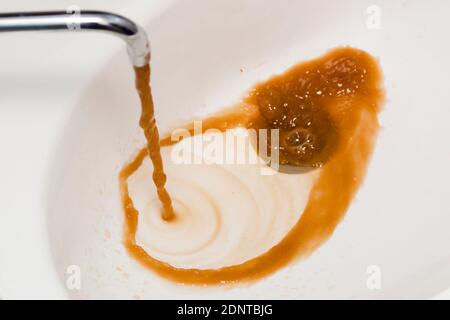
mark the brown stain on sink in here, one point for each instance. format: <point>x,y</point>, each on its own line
<point>327,112</point>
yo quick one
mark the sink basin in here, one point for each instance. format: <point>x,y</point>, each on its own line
<point>205,55</point>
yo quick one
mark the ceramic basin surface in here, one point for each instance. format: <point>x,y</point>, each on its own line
<point>205,55</point>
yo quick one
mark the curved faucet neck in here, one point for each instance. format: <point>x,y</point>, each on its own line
<point>134,36</point>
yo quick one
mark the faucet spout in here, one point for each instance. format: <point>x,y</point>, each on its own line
<point>134,36</point>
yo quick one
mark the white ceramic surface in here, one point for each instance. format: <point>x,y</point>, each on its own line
<point>61,156</point>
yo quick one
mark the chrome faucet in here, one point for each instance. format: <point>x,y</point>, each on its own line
<point>134,36</point>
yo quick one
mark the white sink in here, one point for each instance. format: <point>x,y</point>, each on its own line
<point>68,122</point>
